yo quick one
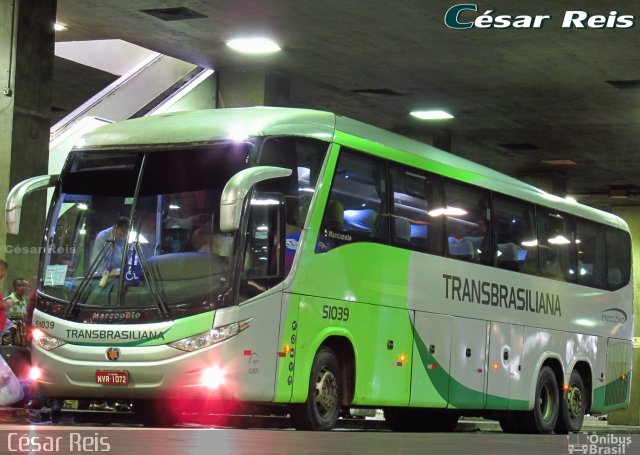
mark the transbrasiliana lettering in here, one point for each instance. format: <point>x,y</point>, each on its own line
<point>501,295</point>
<point>132,335</point>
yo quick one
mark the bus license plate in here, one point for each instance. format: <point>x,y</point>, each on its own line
<point>112,377</point>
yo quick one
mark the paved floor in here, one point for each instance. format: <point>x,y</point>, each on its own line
<point>18,416</point>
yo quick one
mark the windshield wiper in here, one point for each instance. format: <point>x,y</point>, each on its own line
<point>147,273</point>
<point>93,267</point>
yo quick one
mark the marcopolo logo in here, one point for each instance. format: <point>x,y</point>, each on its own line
<point>613,316</point>
<point>461,17</point>
<point>597,443</point>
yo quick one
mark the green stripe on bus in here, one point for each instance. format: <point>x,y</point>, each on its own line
<point>459,395</point>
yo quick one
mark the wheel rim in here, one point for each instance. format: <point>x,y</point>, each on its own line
<point>545,403</point>
<point>326,392</point>
<point>574,402</point>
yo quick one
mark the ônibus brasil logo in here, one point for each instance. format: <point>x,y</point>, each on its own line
<point>597,443</point>
<point>462,17</point>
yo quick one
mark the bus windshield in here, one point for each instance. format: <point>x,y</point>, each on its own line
<point>134,236</point>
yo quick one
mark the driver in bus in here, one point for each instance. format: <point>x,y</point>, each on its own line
<point>113,259</point>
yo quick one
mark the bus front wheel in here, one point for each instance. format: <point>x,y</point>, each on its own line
<point>321,410</point>
<point>572,405</point>
<point>544,415</point>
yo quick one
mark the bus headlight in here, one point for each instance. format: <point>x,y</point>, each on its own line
<point>213,336</point>
<point>46,342</point>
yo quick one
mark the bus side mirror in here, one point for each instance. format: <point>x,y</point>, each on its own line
<point>13,206</point>
<point>237,188</point>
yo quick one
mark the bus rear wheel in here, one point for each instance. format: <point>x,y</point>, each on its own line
<point>572,406</point>
<point>322,408</point>
<point>543,417</point>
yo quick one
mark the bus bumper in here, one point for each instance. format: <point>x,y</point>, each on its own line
<point>150,372</point>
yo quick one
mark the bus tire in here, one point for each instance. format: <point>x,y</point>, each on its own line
<point>573,405</point>
<point>543,417</point>
<point>322,408</point>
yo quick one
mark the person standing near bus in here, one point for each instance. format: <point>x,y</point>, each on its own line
<point>15,304</point>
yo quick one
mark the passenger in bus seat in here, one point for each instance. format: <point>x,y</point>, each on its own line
<point>482,241</point>
<point>209,239</point>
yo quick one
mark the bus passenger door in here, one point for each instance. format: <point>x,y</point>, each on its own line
<point>262,269</point>
<point>431,360</point>
<point>505,388</point>
<point>469,338</point>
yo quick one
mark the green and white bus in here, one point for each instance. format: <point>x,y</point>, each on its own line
<point>305,262</point>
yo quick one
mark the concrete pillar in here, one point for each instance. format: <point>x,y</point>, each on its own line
<point>631,415</point>
<point>26,70</point>
<point>252,87</point>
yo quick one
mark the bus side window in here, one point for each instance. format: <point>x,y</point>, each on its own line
<point>416,194</point>
<point>590,245</point>
<point>468,225</point>
<point>356,210</point>
<point>515,233</point>
<point>556,245</point>
<point>618,258</point>
<point>304,157</point>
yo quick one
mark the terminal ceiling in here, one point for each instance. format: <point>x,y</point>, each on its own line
<point>519,97</point>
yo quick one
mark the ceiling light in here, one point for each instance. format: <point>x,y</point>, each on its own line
<point>254,45</point>
<point>58,27</point>
<point>431,115</point>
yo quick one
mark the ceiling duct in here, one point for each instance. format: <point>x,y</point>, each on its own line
<point>173,14</point>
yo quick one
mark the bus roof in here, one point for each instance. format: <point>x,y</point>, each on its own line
<point>204,126</point>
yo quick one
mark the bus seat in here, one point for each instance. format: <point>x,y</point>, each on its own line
<point>418,231</point>
<point>185,266</point>
<point>584,269</point>
<point>402,230</point>
<point>476,243</point>
<point>461,249</point>
<point>508,256</point>
<point>614,277</point>
<point>419,235</point>
<point>361,220</point>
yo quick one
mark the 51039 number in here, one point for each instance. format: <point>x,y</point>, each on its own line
<point>45,324</point>
<point>336,313</point>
